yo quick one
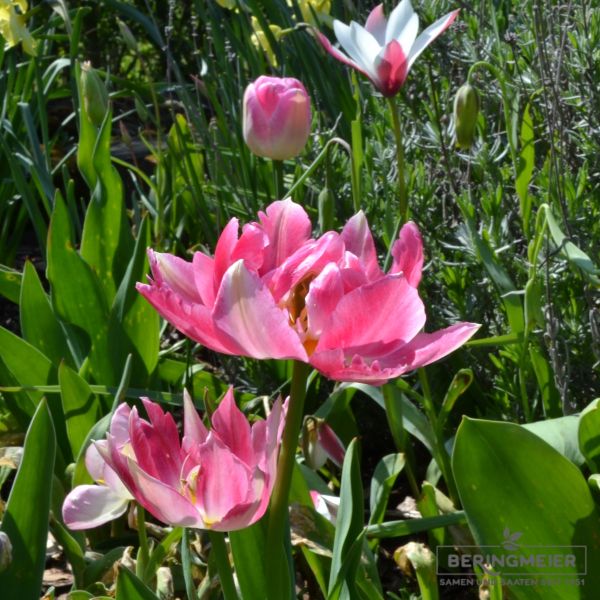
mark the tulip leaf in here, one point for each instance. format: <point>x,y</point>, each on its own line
<point>589,435</point>
<point>25,520</point>
<point>10,284</point>
<point>525,166</point>
<point>80,406</point>
<point>386,472</point>
<point>130,587</point>
<point>39,324</point>
<point>248,549</point>
<point>509,480</point>
<point>561,434</point>
<point>392,529</point>
<point>349,529</point>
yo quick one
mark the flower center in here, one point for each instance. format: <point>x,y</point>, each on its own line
<point>298,315</point>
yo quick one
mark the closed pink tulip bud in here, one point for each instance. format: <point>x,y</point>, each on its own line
<point>276,117</point>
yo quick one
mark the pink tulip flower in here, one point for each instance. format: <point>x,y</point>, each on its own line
<point>385,49</point>
<point>276,117</point>
<point>275,292</point>
<point>219,479</point>
<point>88,506</point>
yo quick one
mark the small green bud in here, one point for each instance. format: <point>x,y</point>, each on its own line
<point>95,96</point>
<point>466,110</point>
<point>128,36</point>
<point>326,205</point>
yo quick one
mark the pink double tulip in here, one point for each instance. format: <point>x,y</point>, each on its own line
<point>219,479</point>
<point>275,292</point>
<point>385,49</point>
<point>276,117</point>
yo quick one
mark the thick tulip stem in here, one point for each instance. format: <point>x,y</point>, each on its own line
<point>143,553</point>
<point>275,555</point>
<point>402,197</point>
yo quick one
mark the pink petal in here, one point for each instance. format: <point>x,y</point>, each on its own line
<point>204,278</point>
<point>193,320</point>
<point>308,260</point>
<point>177,274</point>
<point>222,483</point>
<point>88,506</point>
<point>233,429</point>
<point>194,430</point>
<point>223,251</point>
<point>119,424</point>
<point>153,449</point>
<point>358,240</point>
<point>246,311</point>
<point>245,514</point>
<point>324,294</point>
<point>392,68</point>
<point>331,443</point>
<point>94,461</point>
<point>287,227</point>
<point>429,35</point>
<point>395,313</point>
<point>376,24</point>
<point>408,254</point>
<point>251,246</point>
<point>163,501</point>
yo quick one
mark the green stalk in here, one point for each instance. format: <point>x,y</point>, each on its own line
<point>278,176</point>
<point>219,549</point>
<point>275,553</point>
<point>143,554</point>
<point>402,197</point>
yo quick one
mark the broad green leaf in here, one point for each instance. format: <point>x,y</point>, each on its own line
<point>349,527</point>
<point>589,435</point>
<point>386,472</point>
<point>525,166</point>
<point>561,434</point>
<point>509,480</point>
<point>248,548</point>
<point>129,587</point>
<point>393,529</point>
<point>569,250</point>
<point>80,406</point>
<point>10,284</point>
<point>25,520</point>
<point>39,324</point>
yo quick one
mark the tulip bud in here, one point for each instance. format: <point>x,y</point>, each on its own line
<point>95,96</point>
<point>418,558</point>
<point>466,110</point>
<point>5,551</point>
<point>127,36</point>
<point>319,442</point>
<point>276,117</point>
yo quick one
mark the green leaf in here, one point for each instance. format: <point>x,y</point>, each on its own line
<point>386,472</point>
<point>248,548</point>
<point>10,284</point>
<point>80,406</point>
<point>588,435</point>
<point>39,324</point>
<point>392,529</point>
<point>349,527</point>
<point>129,587</point>
<point>545,379</point>
<point>561,434</point>
<point>25,520</point>
<point>509,480</point>
<point>525,167</point>
<point>459,385</point>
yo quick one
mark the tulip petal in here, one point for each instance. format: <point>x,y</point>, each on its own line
<point>367,45</point>
<point>323,296</point>
<point>204,278</point>
<point>408,254</point>
<point>399,20</point>
<point>119,424</point>
<point>88,506</point>
<point>392,68</point>
<point>223,251</point>
<point>429,35</point>
<point>287,227</point>
<point>94,461</point>
<point>177,274</point>
<point>231,426</point>
<point>358,240</point>
<point>194,430</point>
<point>396,314</point>
<point>245,310</point>
<point>340,55</point>
<point>346,35</point>
<point>223,482</point>
<point>193,320</point>
<point>161,500</point>
<point>376,24</point>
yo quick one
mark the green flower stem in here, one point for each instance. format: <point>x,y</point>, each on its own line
<point>313,166</point>
<point>402,197</point>
<point>275,554</point>
<point>219,550</point>
<point>278,175</point>
<point>143,553</point>
<point>441,457</point>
